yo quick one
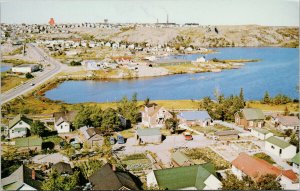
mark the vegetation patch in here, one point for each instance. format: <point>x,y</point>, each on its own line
<point>265,157</point>
<point>136,162</point>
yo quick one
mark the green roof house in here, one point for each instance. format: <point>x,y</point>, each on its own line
<point>279,147</point>
<point>296,163</point>
<point>18,127</point>
<point>249,118</point>
<point>23,178</point>
<point>31,143</point>
<point>149,135</point>
<point>180,159</point>
<point>260,133</point>
<point>199,177</point>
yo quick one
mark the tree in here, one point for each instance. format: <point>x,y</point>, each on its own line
<point>295,141</point>
<point>268,182</point>
<point>63,109</point>
<point>110,120</point>
<point>129,108</point>
<point>147,101</point>
<point>28,75</point>
<point>57,182</point>
<point>37,128</point>
<point>286,111</point>
<point>83,117</point>
<point>172,123</point>
<point>231,182</point>
<point>242,96</point>
<point>266,99</point>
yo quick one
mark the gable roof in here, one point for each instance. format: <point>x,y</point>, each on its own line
<point>262,131</point>
<point>67,116</point>
<point>18,118</point>
<point>180,158</point>
<point>107,179</point>
<point>62,167</point>
<point>148,132</point>
<point>255,167</point>
<point>278,142</point>
<point>28,142</point>
<point>184,177</point>
<point>194,115</point>
<point>296,159</point>
<point>253,114</point>
<point>23,175</point>
<point>289,120</point>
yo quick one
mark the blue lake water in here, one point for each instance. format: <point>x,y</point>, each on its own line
<point>277,72</point>
<point>4,68</point>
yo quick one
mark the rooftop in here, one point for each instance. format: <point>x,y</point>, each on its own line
<point>228,132</point>
<point>148,132</point>
<point>289,120</point>
<point>278,142</point>
<point>194,115</point>
<point>262,131</point>
<point>180,158</point>
<point>296,159</point>
<point>253,114</point>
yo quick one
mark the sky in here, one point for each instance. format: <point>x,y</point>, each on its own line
<point>204,12</point>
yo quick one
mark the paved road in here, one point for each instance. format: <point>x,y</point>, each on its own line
<point>54,68</point>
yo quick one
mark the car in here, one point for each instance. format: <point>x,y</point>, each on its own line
<point>32,84</point>
<point>112,140</point>
<point>120,139</point>
<point>187,136</point>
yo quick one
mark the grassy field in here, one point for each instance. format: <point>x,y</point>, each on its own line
<point>9,82</point>
<point>16,62</point>
<point>210,129</point>
<point>292,107</point>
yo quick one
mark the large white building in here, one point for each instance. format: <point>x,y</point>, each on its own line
<point>261,134</point>
<point>279,147</point>
<point>18,127</point>
<point>25,68</point>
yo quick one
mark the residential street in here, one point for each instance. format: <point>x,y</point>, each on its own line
<point>54,68</point>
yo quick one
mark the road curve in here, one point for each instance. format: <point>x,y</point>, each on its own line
<point>54,68</point>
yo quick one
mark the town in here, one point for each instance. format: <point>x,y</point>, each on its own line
<point>148,104</point>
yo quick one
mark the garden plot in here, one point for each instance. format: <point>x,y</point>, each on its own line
<point>136,162</point>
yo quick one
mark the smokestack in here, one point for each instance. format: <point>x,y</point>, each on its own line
<point>33,174</point>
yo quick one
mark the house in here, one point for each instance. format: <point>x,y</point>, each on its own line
<point>91,135</point>
<point>227,135</point>
<point>249,117</point>
<point>148,135</point>
<point>108,178</point>
<point>29,143</point>
<point>261,134</point>
<point>279,147</point>
<point>180,159</point>
<point>25,68</point>
<point>296,163</point>
<point>23,178</point>
<point>155,116</point>
<point>63,121</point>
<point>255,168</point>
<point>201,118</point>
<point>195,177</point>
<point>19,126</point>
<point>287,122</point>
<point>62,168</point>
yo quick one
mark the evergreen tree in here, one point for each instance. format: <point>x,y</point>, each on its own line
<point>37,128</point>
<point>266,99</point>
<point>242,97</point>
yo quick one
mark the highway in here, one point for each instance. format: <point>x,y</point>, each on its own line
<point>47,73</point>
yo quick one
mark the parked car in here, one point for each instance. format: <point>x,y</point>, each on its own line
<point>120,139</point>
<point>188,136</point>
<point>112,140</point>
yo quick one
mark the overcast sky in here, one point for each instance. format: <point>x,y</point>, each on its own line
<point>205,12</point>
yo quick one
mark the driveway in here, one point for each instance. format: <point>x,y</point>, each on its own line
<point>163,150</point>
<point>230,125</point>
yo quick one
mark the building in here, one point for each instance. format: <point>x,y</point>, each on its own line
<point>148,135</point>
<point>108,178</point>
<point>227,135</point>
<point>180,159</point>
<point>62,168</point>
<point>29,143</point>
<point>201,118</point>
<point>23,178</point>
<point>287,122</point>
<point>155,116</point>
<point>255,168</point>
<point>25,68</point>
<point>19,126</point>
<point>279,147</point>
<point>195,177</point>
<point>296,163</point>
<point>261,134</point>
<point>249,117</point>
<point>91,135</point>
<point>63,121</point>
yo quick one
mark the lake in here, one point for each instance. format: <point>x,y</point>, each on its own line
<point>277,72</point>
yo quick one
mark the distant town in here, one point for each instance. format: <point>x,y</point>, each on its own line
<point>211,143</point>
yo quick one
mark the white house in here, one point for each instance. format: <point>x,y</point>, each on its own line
<point>201,59</point>
<point>18,127</point>
<point>255,168</point>
<point>25,68</point>
<point>296,163</point>
<point>149,135</point>
<point>261,134</point>
<point>62,125</point>
<point>279,147</point>
<point>194,177</point>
